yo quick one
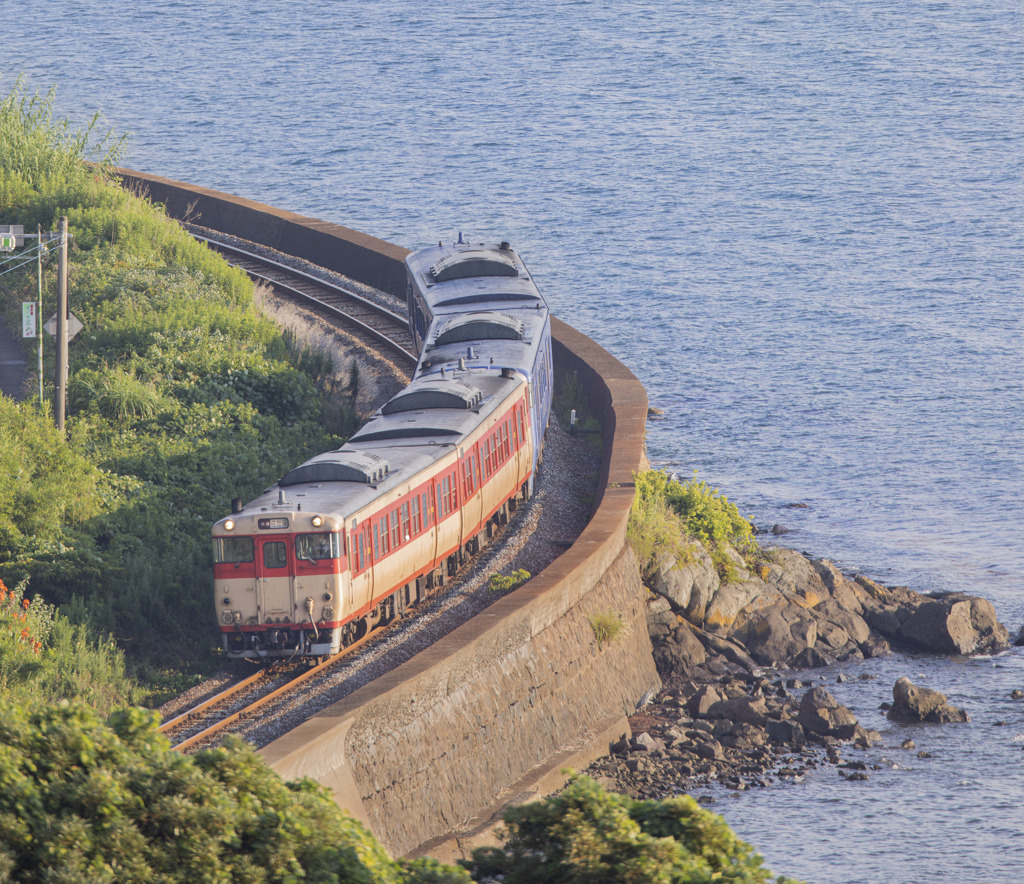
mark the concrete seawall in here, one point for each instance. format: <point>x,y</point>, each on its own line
<point>490,714</point>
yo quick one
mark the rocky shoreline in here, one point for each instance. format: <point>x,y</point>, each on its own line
<point>737,708</point>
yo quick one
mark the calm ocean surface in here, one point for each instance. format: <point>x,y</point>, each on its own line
<point>800,224</point>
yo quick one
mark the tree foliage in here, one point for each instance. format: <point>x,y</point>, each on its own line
<point>585,835</point>
<point>85,800</point>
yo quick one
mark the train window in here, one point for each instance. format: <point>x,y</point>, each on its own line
<point>416,524</point>
<point>522,428</point>
<point>357,544</point>
<point>405,521</point>
<point>317,546</point>
<point>275,554</point>
<point>232,550</point>
<point>396,538</point>
<point>426,510</point>
<point>515,435</point>
<point>376,543</point>
<point>445,496</point>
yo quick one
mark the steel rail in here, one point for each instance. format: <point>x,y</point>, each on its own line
<point>395,331</point>
<point>289,686</point>
<point>215,700</point>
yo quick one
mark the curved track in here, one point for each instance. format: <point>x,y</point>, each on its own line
<point>204,721</point>
<point>372,321</point>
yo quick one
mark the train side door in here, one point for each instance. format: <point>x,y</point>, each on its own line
<point>363,561</point>
<point>274,585</point>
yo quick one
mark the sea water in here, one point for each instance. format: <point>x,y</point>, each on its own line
<point>800,224</point>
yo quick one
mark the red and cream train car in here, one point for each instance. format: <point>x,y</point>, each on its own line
<point>351,538</point>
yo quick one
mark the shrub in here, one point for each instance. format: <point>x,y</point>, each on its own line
<point>667,513</point>
<point>44,657</point>
<point>585,834</point>
<point>181,396</point>
<point>87,800</point>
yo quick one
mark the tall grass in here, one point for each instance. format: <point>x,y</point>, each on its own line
<point>40,151</point>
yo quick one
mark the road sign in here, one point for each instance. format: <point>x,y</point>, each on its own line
<point>28,319</point>
<point>12,236</point>
<point>74,326</point>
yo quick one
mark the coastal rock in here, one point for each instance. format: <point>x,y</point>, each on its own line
<point>956,624</point>
<point>705,697</point>
<point>820,713</point>
<point>689,585</point>
<point>774,636</point>
<point>732,598</point>
<point>915,704</point>
<point>747,710</point>
<point>678,652</point>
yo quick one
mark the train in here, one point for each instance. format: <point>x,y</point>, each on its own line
<point>353,538</point>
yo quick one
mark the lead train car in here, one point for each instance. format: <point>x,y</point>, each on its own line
<point>351,538</point>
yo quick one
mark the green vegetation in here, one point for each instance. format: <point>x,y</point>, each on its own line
<point>104,801</point>
<point>608,626</point>
<point>668,516</point>
<point>585,834</point>
<point>506,583</point>
<point>44,657</point>
<point>181,396</point>
<point>87,800</point>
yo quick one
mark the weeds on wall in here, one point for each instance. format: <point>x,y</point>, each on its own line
<point>608,626</point>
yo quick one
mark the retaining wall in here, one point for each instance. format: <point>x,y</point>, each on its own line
<point>490,714</point>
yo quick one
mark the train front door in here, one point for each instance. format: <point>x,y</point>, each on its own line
<point>274,584</point>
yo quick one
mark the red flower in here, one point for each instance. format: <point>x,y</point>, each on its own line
<point>25,603</point>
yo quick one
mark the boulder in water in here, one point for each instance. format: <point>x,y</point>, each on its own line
<point>914,704</point>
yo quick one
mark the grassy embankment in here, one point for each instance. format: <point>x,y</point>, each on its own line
<point>181,396</point>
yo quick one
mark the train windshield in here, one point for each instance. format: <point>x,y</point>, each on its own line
<point>314,547</point>
<point>232,550</point>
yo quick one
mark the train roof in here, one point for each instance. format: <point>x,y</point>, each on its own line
<point>460,276</point>
<point>414,429</point>
<point>504,341</point>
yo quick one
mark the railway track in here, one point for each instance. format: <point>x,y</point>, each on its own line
<point>204,722</point>
<point>374,322</point>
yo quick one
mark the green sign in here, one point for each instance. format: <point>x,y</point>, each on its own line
<point>7,242</point>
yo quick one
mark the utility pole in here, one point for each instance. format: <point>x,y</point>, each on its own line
<point>39,308</point>
<point>60,379</point>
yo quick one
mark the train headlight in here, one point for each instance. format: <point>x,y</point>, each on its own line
<point>328,596</point>
<point>225,601</point>
<point>229,525</point>
<point>318,521</point>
